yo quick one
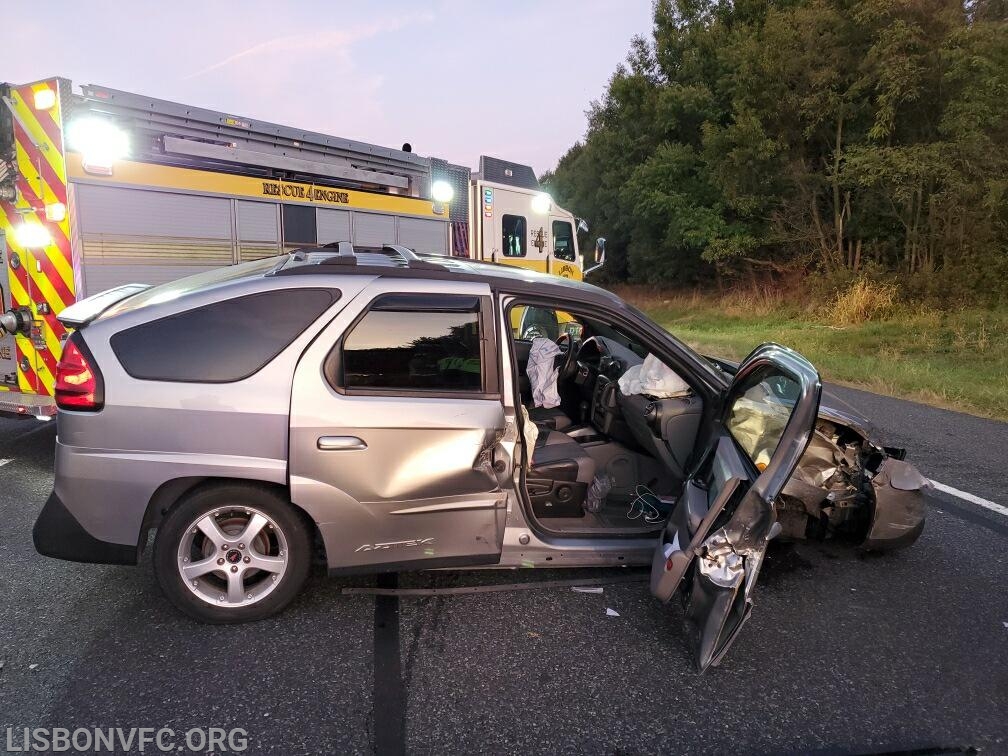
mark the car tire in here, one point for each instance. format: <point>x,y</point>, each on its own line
<point>188,545</point>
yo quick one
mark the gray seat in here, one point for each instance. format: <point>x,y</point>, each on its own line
<point>559,476</point>
<point>552,418</point>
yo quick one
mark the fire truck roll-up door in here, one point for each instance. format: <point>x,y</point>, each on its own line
<point>426,237</point>
<point>372,229</point>
<point>138,235</point>
<point>258,230</point>
<point>333,225</point>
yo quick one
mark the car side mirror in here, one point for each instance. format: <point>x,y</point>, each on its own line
<point>599,256</point>
<point>582,226</point>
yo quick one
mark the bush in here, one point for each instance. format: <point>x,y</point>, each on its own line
<point>862,301</point>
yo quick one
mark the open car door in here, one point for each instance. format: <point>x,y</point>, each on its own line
<point>717,535</point>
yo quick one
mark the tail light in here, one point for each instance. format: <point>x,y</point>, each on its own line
<point>79,384</point>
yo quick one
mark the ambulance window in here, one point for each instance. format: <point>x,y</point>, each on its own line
<point>299,225</point>
<point>514,236</point>
<point>563,241</point>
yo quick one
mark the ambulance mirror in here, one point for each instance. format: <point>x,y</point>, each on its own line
<point>599,256</point>
<point>600,249</point>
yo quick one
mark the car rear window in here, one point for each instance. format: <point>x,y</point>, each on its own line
<point>220,342</point>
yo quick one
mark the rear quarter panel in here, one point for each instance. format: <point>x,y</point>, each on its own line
<point>110,463</point>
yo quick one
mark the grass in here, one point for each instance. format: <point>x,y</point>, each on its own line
<point>956,359</point>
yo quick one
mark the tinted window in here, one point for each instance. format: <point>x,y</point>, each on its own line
<point>514,236</point>
<point>563,241</point>
<point>299,225</point>
<point>414,350</point>
<point>221,342</point>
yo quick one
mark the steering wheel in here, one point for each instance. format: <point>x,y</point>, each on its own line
<point>568,355</point>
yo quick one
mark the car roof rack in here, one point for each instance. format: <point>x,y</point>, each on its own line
<point>395,255</point>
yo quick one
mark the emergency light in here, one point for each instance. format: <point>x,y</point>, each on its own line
<point>441,191</point>
<point>100,142</point>
<point>30,235</point>
<point>541,203</point>
<point>44,98</point>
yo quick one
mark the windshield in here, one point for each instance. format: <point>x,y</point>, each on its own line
<point>707,361</point>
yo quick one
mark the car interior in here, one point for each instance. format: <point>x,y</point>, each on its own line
<point>611,455</point>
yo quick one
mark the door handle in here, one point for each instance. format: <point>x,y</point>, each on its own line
<point>340,443</point>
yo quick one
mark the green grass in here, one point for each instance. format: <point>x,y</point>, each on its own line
<point>955,359</point>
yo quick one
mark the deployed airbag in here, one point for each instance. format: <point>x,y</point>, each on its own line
<point>542,373</point>
<point>652,378</point>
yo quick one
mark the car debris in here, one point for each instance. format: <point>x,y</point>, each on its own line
<point>850,487</point>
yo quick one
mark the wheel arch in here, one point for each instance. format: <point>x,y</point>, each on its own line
<point>170,493</point>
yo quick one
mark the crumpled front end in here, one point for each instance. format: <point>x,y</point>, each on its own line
<point>848,487</point>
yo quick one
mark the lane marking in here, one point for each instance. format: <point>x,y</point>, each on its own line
<point>965,496</point>
<point>5,461</point>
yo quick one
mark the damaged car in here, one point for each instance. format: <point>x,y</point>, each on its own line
<point>850,486</point>
<point>386,411</point>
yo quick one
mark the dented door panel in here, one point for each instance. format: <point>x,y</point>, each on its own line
<point>399,480</point>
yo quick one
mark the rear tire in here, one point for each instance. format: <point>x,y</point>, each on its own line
<point>232,553</point>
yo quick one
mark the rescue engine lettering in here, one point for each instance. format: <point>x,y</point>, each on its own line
<point>301,191</point>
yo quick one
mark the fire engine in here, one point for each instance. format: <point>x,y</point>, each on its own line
<point>103,187</point>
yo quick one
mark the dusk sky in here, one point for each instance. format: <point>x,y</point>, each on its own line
<point>456,79</point>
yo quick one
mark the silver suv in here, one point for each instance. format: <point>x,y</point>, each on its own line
<point>396,412</point>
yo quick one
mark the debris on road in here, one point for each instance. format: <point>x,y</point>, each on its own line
<point>580,589</point>
<point>611,613</point>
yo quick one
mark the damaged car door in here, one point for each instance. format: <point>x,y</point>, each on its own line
<point>716,537</point>
<point>399,447</point>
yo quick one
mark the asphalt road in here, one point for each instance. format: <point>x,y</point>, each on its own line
<point>844,653</point>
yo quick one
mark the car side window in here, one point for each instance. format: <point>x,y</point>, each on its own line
<point>394,347</point>
<point>514,241</point>
<point>221,342</point>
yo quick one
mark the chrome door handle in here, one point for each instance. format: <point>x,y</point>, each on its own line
<point>340,443</point>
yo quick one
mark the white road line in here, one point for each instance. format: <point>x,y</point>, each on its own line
<point>986,504</point>
<point>5,461</point>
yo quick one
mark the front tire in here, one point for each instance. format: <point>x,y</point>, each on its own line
<point>232,553</point>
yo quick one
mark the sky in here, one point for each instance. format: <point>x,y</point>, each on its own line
<point>455,79</point>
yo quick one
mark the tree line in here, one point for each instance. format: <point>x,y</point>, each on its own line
<point>845,138</point>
